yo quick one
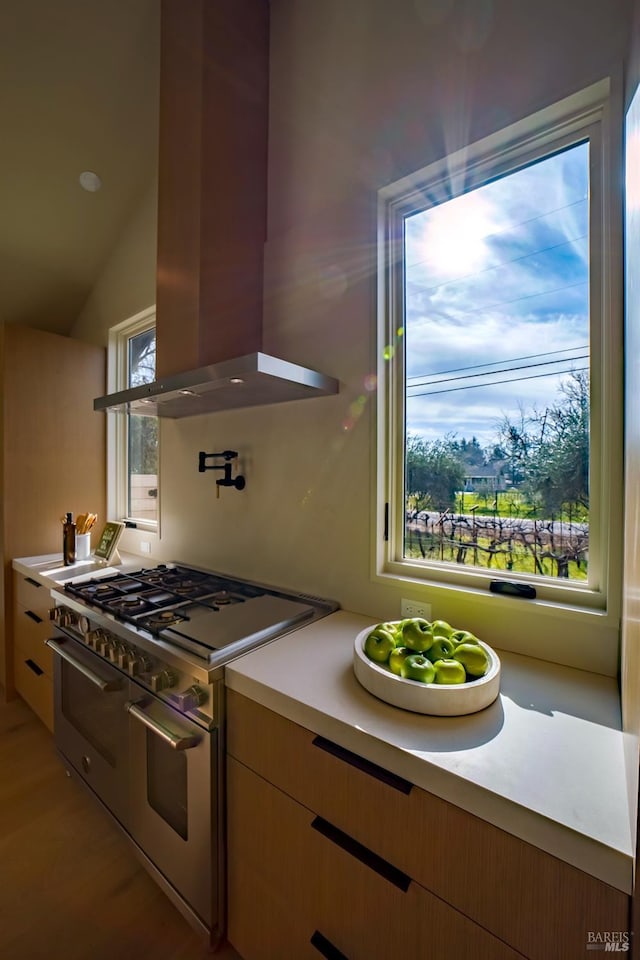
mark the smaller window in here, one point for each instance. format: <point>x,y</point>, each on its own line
<point>136,441</point>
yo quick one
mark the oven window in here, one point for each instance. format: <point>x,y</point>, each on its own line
<point>90,713</point>
<point>167,783</point>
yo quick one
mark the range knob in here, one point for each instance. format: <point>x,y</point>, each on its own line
<point>63,616</point>
<point>117,650</point>
<point>84,624</point>
<point>93,638</point>
<point>162,680</point>
<point>104,644</point>
<point>138,664</point>
<point>124,655</point>
<point>133,665</point>
<point>189,699</point>
<point>70,618</point>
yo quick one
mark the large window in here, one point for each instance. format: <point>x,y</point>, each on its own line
<point>133,355</point>
<point>499,381</point>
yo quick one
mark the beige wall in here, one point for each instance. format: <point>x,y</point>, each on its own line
<point>362,93</point>
<point>127,283</point>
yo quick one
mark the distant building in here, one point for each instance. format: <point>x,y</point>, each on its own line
<point>485,481</point>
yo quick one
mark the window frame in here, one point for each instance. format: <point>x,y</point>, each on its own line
<point>117,423</point>
<point>596,112</point>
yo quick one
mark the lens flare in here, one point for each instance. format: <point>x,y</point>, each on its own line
<point>356,409</point>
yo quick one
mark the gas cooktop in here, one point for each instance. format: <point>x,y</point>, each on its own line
<point>153,598</point>
<point>197,610</point>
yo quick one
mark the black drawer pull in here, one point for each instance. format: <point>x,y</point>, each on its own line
<point>33,616</point>
<point>34,666</point>
<point>325,947</point>
<point>34,583</point>
<point>362,853</point>
<point>366,766</point>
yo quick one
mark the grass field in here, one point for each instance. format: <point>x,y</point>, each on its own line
<point>487,555</point>
<point>511,503</point>
<point>469,537</point>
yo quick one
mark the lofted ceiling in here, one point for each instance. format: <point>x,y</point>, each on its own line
<point>78,91</point>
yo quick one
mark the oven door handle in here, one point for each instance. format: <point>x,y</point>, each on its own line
<point>175,740</point>
<point>107,686</point>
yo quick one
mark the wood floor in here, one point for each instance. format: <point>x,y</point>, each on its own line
<point>69,885</point>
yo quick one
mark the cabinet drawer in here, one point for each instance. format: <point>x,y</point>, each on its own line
<point>496,879</point>
<point>30,632</point>
<point>31,594</point>
<point>332,890</point>
<point>36,688</point>
<point>260,926</point>
<point>335,784</point>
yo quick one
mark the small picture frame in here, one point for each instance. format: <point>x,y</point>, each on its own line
<point>106,550</point>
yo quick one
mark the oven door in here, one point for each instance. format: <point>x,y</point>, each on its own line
<point>172,801</point>
<point>90,721</point>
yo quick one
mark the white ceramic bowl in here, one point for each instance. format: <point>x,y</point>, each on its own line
<point>437,699</point>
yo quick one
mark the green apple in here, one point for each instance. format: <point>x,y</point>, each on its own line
<point>473,658</point>
<point>416,634</point>
<point>441,649</point>
<point>440,628</point>
<point>393,626</point>
<point>379,644</point>
<point>463,636</point>
<point>417,667</point>
<point>397,657</point>
<point>449,671</point>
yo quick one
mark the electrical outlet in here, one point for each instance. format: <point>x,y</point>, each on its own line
<point>145,546</point>
<point>415,608</point>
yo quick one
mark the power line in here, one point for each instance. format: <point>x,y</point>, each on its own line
<point>528,366</point>
<point>530,296</point>
<point>497,233</point>
<point>476,366</point>
<point>475,386</point>
<point>495,266</point>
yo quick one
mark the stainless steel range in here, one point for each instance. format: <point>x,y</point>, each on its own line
<point>139,708</point>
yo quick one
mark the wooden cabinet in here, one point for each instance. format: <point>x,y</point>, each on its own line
<point>32,660</point>
<point>327,841</point>
<point>52,451</point>
<point>300,887</point>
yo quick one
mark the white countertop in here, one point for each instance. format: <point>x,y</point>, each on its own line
<point>50,571</point>
<point>544,762</point>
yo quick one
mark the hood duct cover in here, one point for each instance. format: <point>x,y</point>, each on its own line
<point>254,380</point>
<point>212,219</point>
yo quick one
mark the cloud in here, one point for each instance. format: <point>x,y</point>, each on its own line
<point>494,276</point>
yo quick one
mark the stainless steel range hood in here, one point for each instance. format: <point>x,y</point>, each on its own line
<point>212,220</point>
<point>253,380</point>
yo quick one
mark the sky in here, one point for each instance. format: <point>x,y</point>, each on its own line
<point>497,290</point>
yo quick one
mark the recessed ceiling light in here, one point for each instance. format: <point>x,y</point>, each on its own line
<point>187,393</point>
<point>90,181</point>
<point>237,380</point>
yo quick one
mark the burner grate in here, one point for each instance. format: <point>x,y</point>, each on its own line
<point>141,596</point>
<point>161,619</point>
<point>206,611</point>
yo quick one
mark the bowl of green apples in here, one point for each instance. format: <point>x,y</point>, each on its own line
<point>427,666</point>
